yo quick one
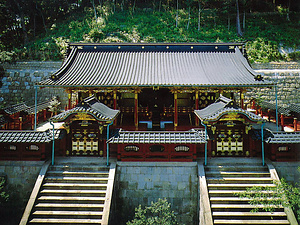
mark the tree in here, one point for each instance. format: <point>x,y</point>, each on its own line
<point>3,195</point>
<point>159,213</point>
<point>282,194</point>
<point>238,23</point>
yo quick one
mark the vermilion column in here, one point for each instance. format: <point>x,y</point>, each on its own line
<point>115,99</point>
<point>295,124</point>
<point>196,107</point>
<point>242,98</point>
<point>175,111</point>
<point>136,112</point>
<point>282,121</point>
<point>69,99</point>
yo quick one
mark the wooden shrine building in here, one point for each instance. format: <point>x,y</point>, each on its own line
<point>155,86</point>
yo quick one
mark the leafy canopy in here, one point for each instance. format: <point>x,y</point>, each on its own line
<point>158,213</point>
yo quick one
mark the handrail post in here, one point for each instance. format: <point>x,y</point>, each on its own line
<point>205,154</point>
<point>53,142</point>
<point>262,144</point>
<point>107,144</point>
<point>35,108</point>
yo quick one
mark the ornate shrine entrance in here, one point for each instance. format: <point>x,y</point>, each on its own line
<point>87,139</point>
<point>229,142</point>
<point>85,125</point>
<point>228,128</point>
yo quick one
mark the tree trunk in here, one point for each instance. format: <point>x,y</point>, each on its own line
<point>188,24</point>
<point>238,23</point>
<point>95,12</point>
<point>199,15</point>
<point>228,22</point>
<point>22,17</point>
<point>177,14</point>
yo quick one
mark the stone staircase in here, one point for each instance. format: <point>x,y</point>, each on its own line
<point>225,178</point>
<point>74,194</point>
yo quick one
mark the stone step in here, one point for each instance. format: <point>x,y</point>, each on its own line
<point>254,222</point>
<point>68,214</point>
<point>65,221</point>
<point>249,215</point>
<point>237,186</point>
<point>98,180</point>
<point>228,193</point>
<point>241,207</point>
<point>70,186</point>
<point>77,173</point>
<point>59,199</point>
<point>77,168</point>
<point>236,168</point>
<point>237,174</point>
<point>69,207</point>
<point>59,192</point>
<point>229,200</point>
<point>240,180</point>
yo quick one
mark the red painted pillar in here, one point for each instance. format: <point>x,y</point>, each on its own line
<point>242,98</point>
<point>115,104</point>
<point>70,99</point>
<point>136,111</point>
<point>115,99</point>
<point>282,121</point>
<point>295,124</point>
<point>196,107</point>
<point>175,111</point>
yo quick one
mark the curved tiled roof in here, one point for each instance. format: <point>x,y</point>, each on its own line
<point>197,65</point>
<point>221,107</point>
<point>90,106</point>
<point>271,106</point>
<point>157,137</point>
<point>282,137</point>
<point>28,136</point>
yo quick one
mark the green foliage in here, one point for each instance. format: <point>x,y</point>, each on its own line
<point>294,56</point>
<point>146,21</point>
<point>263,51</point>
<point>159,213</point>
<point>3,195</point>
<point>270,198</point>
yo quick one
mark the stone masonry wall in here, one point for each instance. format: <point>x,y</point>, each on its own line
<point>20,78</point>
<point>288,86</point>
<point>21,177</point>
<point>140,183</point>
<point>18,83</point>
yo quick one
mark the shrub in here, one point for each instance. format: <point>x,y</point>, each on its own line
<point>282,194</point>
<point>159,213</point>
<point>294,56</point>
<point>3,195</point>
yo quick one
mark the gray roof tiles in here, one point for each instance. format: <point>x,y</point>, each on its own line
<point>92,106</point>
<point>282,137</point>
<point>86,67</point>
<point>157,137</point>
<point>223,106</point>
<point>28,136</point>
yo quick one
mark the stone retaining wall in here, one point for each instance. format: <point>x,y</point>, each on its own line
<point>288,87</point>
<point>140,183</point>
<point>20,78</point>
<point>18,83</point>
<point>21,177</point>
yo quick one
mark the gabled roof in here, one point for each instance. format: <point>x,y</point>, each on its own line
<point>28,136</point>
<point>147,65</point>
<point>157,137</point>
<point>294,108</point>
<point>281,110</point>
<point>282,137</point>
<point>15,108</point>
<point>91,106</point>
<point>223,106</point>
